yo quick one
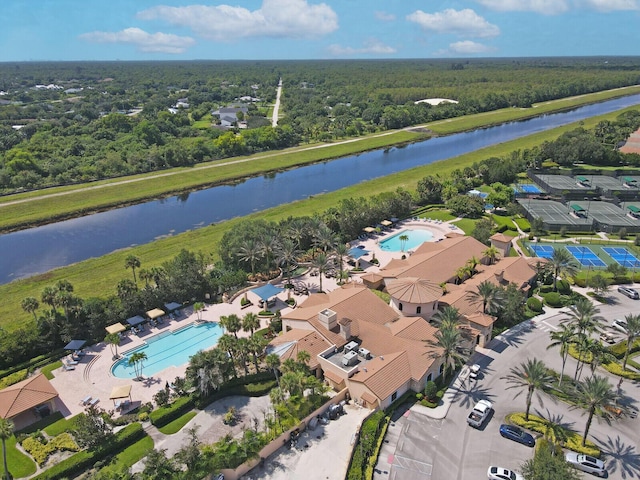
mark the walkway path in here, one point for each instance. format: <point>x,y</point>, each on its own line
<point>276,108</point>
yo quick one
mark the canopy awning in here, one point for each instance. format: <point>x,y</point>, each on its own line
<point>155,313</point>
<point>267,291</point>
<point>386,223</point>
<point>137,320</point>
<point>582,179</point>
<point>171,306</point>
<point>629,180</point>
<point>115,328</point>
<point>75,345</point>
<point>577,208</point>
<point>369,229</point>
<point>634,209</point>
<point>356,253</point>
<point>394,219</point>
<point>122,391</point>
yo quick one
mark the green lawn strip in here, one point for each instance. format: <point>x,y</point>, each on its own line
<point>20,465</point>
<point>573,440</point>
<point>47,370</point>
<point>61,426</point>
<point>176,425</point>
<point>130,455</point>
<point>111,267</point>
<point>467,225</point>
<point>469,122</point>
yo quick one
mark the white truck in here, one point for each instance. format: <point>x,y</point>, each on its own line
<point>479,413</point>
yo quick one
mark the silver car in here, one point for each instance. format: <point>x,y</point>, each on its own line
<point>586,463</point>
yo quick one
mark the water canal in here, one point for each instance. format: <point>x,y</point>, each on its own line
<point>40,249</point>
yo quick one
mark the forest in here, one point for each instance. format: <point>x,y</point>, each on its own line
<point>73,122</point>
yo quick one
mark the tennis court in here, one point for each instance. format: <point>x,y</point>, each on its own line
<point>527,188</point>
<point>542,251</point>
<point>623,256</point>
<point>585,256</point>
<point>555,215</point>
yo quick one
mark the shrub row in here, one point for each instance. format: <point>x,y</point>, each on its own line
<point>255,385</point>
<point>168,413</point>
<point>534,305</point>
<point>81,461</point>
<point>32,364</point>
<point>367,442</point>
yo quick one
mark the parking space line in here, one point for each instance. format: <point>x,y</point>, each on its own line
<point>413,465</point>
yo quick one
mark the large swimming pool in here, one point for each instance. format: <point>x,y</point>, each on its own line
<point>170,349</point>
<point>414,239</point>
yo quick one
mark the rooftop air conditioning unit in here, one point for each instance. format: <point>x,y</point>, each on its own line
<point>349,359</point>
<point>364,353</point>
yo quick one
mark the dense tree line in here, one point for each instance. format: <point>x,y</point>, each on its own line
<point>82,132</point>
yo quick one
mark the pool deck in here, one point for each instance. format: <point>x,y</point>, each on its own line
<point>92,375</point>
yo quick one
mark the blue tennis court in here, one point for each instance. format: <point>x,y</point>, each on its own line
<point>585,256</point>
<point>623,256</point>
<point>528,188</point>
<point>542,251</point>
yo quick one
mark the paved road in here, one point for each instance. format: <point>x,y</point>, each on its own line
<point>420,447</point>
<point>276,108</point>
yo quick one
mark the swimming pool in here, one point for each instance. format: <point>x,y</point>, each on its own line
<point>415,239</point>
<point>170,349</point>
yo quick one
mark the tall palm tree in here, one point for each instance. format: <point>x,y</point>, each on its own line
<point>321,263</point>
<point>30,305</point>
<point>492,253</point>
<point>145,275</point>
<point>250,322</point>
<point>231,323</point>
<point>132,262</point>
<point>228,343</point>
<point>136,360</point>
<point>340,251</point>
<point>596,395</point>
<point>243,351</point>
<point>404,238</point>
<point>113,340</point>
<point>633,332</point>
<point>584,316</point>
<point>531,375</point>
<point>598,353</point>
<point>48,296</point>
<point>273,362</point>
<point>6,431</point>
<point>448,317</point>
<point>256,348</point>
<point>324,239</point>
<point>287,256</point>
<point>491,296</point>
<point>563,338</point>
<point>268,247</point>
<point>249,252</point>
<point>449,342</point>
<point>563,264</point>
<point>461,274</point>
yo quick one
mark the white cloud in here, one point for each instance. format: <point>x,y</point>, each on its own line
<point>275,18</point>
<point>146,42</point>
<point>545,7</point>
<point>467,47</point>
<point>612,5</point>
<point>371,46</point>
<point>462,22</point>
<point>384,16</point>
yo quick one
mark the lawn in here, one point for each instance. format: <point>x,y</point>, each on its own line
<point>176,425</point>
<point>467,225</point>
<point>20,465</point>
<point>130,455</point>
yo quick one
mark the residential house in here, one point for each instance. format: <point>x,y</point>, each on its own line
<point>229,115</point>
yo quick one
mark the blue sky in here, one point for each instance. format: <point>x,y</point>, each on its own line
<point>315,29</point>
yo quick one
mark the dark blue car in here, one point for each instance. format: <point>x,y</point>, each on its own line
<point>517,435</point>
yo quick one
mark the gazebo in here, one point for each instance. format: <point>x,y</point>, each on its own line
<point>119,393</point>
<point>27,401</point>
<point>137,320</point>
<point>171,306</point>
<point>155,313</point>
<point>115,328</point>
<point>267,291</point>
<point>75,345</point>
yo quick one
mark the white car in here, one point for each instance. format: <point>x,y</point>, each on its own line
<point>586,463</point>
<point>499,473</point>
<point>474,370</point>
<point>620,325</point>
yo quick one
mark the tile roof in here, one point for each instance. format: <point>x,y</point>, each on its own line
<point>25,395</point>
<point>385,374</point>
<point>413,290</point>
<point>297,340</point>
<point>501,237</point>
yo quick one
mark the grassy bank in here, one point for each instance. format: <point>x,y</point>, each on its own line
<point>44,206</point>
<point>99,276</point>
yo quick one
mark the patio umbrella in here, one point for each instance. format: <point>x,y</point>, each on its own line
<point>171,306</point>
<point>75,345</point>
<point>137,320</point>
<point>356,253</point>
<point>115,328</point>
<point>267,291</point>
<point>155,313</point>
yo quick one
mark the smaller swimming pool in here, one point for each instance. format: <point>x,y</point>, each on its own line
<point>169,349</point>
<point>414,238</point>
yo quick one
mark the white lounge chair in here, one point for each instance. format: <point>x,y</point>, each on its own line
<point>68,367</point>
<point>118,404</point>
<point>94,402</point>
<point>86,400</point>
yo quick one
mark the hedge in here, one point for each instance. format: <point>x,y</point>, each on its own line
<point>564,287</point>
<point>84,460</point>
<point>553,299</point>
<point>168,413</point>
<point>534,305</point>
<point>367,444</point>
<point>255,385</point>
<point>616,369</point>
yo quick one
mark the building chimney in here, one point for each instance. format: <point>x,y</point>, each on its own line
<point>328,319</point>
<point>345,328</point>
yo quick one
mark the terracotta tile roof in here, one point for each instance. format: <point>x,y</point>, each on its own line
<point>369,398</point>
<point>372,277</point>
<point>436,261</point>
<point>482,319</point>
<point>25,395</point>
<point>297,340</point>
<point>385,374</point>
<point>501,237</point>
<point>632,145</point>
<point>334,377</point>
<point>413,290</point>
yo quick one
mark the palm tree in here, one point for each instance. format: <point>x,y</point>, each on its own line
<point>404,238</point>
<point>321,263</point>
<point>287,256</point>
<point>159,274</point>
<point>473,263</point>
<point>563,338</point>
<point>243,350</point>
<point>198,307</point>
<point>30,305</point>
<point>6,431</point>
<point>48,296</point>
<point>132,262</point>
<point>633,332</point>
<point>596,395</point>
<point>113,340</point>
<point>461,273</point>
<point>249,251</point>
<point>250,322</point>
<point>324,239</point>
<point>136,360</point>
<point>256,347</point>
<point>145,275</point>
<point>532,375</point>
<point>598,353</point>
<point>340,251</point>
<point>449,341</point>
<point>273,362</point>
<point>448,317</point>
<point>228,344</point>
<point>491,295</point>
<point>231,323</point>
<point>563,264</point>
<point>268,247</point>
<point>492,253</point>
<point>584,316</point>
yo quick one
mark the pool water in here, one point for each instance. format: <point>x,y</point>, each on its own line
<point>169,349</point>
<point>416,238</point>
